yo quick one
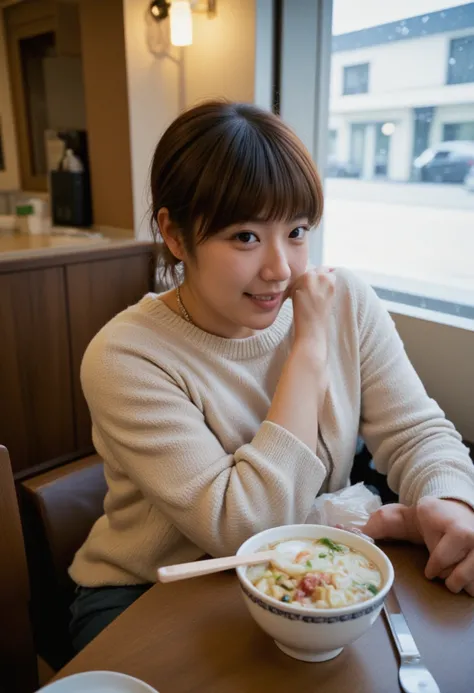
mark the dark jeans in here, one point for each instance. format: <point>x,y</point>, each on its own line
<point>95,607</point>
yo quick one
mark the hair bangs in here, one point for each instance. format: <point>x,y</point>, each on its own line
<point>262,177</point>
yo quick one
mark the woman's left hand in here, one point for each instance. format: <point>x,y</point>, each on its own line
<point>445,526</point>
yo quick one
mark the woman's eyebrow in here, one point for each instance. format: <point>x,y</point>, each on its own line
<point>261,220</point>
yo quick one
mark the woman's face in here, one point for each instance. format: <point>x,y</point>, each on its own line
<point>239,278</point>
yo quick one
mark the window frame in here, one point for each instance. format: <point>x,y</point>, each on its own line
<point>306,51</point>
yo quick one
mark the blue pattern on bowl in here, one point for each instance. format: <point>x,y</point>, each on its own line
<point>311,619</point>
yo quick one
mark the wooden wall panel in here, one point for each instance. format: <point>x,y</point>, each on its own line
<point>35,368</point>
<point>98,291</point>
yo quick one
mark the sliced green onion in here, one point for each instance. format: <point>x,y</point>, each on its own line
<point>330,544</point>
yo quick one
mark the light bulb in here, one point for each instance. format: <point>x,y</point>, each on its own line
<point>181,22</point>
<point>388,129</point>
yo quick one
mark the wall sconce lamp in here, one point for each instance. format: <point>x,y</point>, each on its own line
<point>180,14</point>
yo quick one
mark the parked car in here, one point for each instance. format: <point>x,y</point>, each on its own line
<point>341,169</point>
<point>469,180</point>
<point>447,162</point>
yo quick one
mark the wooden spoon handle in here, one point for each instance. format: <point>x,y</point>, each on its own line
<point>182,571</point>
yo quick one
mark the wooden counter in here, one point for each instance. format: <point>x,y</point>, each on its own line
<point>16,244</point>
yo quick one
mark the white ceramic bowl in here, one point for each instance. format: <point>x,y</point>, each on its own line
<point>98,682</point>
<point>313,635</point>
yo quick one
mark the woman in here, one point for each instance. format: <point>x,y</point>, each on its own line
<point>221,408</point>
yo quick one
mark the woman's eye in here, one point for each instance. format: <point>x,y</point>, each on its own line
<point>299,232</point>
<point>245,237</point>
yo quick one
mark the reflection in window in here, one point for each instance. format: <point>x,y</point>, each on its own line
<point>461,60</point>
<point>356,79</point>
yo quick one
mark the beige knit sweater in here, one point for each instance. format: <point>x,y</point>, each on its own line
<point>193,467</point>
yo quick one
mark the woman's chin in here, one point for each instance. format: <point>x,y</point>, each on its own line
<point>261,322</point>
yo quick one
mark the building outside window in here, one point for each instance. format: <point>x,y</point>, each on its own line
<point>405,218</point>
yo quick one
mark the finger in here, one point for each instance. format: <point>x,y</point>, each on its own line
<point>462,575</point>
<point>470,588</point>
<point>384,523</point>
<point>431,520</point>
<point>446,573</point>
<point>393,521</point>
<point>448,552</point>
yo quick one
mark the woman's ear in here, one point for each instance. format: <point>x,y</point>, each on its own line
<point>170,233</point>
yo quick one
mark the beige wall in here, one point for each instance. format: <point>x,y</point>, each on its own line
<point>220,63</point>
<point>10,178</point>
<point>443,357</point>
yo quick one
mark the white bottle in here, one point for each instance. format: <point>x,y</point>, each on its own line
<point>38,219</point>
<point>71,162</point>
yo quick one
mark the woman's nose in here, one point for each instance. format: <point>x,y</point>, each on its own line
<point>276,267</point>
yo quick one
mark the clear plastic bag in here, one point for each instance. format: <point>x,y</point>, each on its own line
<point>348,508</point>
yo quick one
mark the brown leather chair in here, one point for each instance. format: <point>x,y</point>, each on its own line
<point>18,663</point>
<point>58,508</point>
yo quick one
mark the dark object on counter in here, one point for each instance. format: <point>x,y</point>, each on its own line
<point>71,197</point>
<point>71,202</point>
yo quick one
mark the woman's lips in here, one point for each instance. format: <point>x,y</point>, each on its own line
<point>265,302</point>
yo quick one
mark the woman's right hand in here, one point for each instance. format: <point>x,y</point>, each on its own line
<point>313,296</point>
<point>303,382</point>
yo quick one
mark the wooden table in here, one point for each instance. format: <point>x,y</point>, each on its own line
<point>198,636</point>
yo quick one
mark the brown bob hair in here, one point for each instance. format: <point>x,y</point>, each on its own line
<point>223,163</point>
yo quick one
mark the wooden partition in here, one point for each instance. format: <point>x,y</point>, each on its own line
<point>51,305</point>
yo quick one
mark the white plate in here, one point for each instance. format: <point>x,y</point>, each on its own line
<point>99,682</point>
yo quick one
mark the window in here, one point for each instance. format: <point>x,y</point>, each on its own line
<point>441,155</point>
<point>356,79</point>
<point>461,60</point>
<point>404,218</point>
<point>395,212</point>
<point>458,131</point>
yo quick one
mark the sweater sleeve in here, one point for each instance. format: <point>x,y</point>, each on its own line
<point>408,435</point>
<point>145,423</point>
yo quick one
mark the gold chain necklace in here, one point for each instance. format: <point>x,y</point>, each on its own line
<point>183,311</point>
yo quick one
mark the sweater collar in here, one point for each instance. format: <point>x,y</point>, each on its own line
<point>250,347</point>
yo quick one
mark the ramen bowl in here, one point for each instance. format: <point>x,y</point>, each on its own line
<point>311,633</point>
